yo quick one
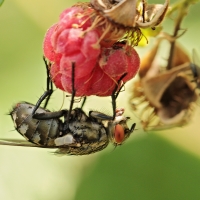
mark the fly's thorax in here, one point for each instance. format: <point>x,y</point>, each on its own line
<point>82,138</point>
<point>78,114</point>
<point>39,132</point>
<point>87,131</point>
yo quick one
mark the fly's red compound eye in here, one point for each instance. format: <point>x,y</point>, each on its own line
<point>119,134</point>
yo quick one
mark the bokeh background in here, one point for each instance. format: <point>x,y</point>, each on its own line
<point>150,166</point>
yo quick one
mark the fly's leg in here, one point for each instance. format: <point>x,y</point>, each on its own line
<point>50,115</point>
<point>132,127</point>
<point>49,83</point>
<point>116,93</point>
<point>73,94</point>
<point>83,103</point>
<point>47,94</point>
<point>99,115</point>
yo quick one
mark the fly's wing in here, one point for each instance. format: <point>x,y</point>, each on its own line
<point>22,143</point>
<point>85,149</point>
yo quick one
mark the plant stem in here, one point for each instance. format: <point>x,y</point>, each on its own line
<point>182,7</point>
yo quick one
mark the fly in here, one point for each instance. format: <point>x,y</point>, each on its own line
<point>77,134</point>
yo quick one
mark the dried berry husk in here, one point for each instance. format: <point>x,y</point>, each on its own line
<point>128,16</point>
<point>164,98</point>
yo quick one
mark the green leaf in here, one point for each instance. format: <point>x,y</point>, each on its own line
<point>149,168</point>
<point>1,2</point>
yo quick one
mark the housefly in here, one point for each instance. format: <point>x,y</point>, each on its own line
<point>75,134</point>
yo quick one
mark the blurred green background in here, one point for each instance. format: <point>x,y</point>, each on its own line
<point>150,166</point>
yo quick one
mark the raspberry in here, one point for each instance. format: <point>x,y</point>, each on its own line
<point>113,61</point>
<point>98,67</point>
<point>133,63</point>
<point>81,85</point>
<point>116,62</point>
<point>47,46</point>
<point>56,76</point>
<point>101,84</point>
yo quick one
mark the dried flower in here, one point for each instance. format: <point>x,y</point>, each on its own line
<point>131,13</point>
<point>128,16</point>
<point>164,98</point>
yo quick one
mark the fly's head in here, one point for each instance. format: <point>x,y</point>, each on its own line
<point>118,130</point>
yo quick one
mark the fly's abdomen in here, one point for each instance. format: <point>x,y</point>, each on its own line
<point>41,132</point>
